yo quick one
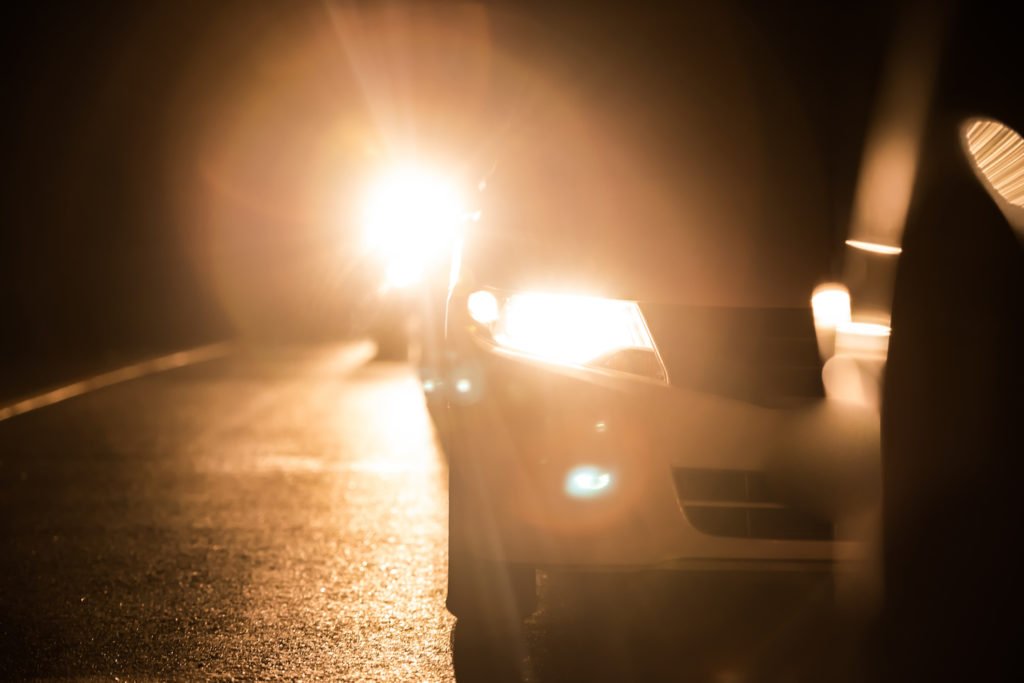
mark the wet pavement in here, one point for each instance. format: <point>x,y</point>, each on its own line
<point>262,516</point>
<point>282,515</point>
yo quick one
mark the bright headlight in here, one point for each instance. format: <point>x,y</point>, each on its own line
<point>569,329</point>
<point>410,216</point>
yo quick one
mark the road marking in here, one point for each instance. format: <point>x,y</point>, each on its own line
<point>169,362</point>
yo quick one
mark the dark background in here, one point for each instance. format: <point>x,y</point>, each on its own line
<point>95,146</point>
<point>91,131</point>
<point>125,126</point>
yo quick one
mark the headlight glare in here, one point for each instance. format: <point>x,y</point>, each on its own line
<point>569,329</point>
<point>412,217</point>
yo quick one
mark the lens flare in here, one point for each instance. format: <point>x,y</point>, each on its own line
<point>587,481</point>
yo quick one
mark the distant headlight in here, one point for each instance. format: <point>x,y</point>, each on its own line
<point>411,217</point>
<point>569,330</point>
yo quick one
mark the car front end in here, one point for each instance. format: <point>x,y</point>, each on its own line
<point>712,457</point>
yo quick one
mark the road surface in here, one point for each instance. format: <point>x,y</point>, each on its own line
<point>282,515</point>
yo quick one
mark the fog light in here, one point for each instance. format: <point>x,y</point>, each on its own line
<point>587,482</point>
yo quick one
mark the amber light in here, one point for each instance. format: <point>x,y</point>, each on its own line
<point>875,247</point>
<point>483,307</point>
<point>411,215</point>
<point>569,329</point>
<point>863,339</point>
<point>831,306</point>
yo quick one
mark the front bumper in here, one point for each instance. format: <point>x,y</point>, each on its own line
<point>518,427</point>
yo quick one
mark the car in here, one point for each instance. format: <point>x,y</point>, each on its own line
<point>636,334</point>
<point>410,220</point>
<point>660,341</point>
<point>604,433</point>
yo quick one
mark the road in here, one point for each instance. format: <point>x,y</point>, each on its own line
<point>282,515</point>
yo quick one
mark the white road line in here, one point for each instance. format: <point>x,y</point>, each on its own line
<point>129,372</point>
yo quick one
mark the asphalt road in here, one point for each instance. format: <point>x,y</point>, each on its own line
<point>282,515</point>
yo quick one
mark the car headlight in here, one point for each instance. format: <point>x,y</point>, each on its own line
<point>568,329</point>
<point>411,218</point>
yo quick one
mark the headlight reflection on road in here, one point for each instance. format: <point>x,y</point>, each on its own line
<point>389,396</point>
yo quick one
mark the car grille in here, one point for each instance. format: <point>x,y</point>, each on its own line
<point>741,504</point>
<point>765,356</point>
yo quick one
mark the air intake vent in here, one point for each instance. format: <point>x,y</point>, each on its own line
<point>741,504</point>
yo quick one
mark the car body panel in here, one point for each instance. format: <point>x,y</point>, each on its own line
<point>692,170</point>
<point>522,425</point>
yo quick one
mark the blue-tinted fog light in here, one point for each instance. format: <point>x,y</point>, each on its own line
<point>588,482</point>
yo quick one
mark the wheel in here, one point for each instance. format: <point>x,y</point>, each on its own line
<point>490,594</point>
<point>489,599</point>
<point>486,655</point>
<point>482,591</point>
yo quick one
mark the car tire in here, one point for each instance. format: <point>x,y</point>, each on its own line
<point>486,655</point>
<point>496,593</point>
<point>482,590</point>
